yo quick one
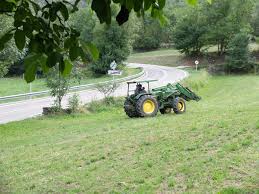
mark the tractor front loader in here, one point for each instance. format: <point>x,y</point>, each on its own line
<point>146,103</point>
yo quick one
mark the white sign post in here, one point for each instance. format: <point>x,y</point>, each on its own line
<point>196,64</point>
<point>113,70</point>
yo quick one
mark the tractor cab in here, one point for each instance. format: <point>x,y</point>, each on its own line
<point>139,87</point>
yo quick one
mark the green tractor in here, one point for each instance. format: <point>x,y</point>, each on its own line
<point>146,103</point>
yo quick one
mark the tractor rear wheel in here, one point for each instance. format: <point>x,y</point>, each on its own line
<point>166,110</point>
<point>147,106</point>
<point>130,109</point>
<point>179,105</point>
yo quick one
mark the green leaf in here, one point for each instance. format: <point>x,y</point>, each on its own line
<point>210,1</point>
<point>4,39</point>
<point>67,67</point>
<point>90,48</point>
<point>68,43</point>
<point>32,61</point>
<point>103,10</point>
<point>123,15</point>
<point>129,4</point>
<point>192,2</point>
<point>147,4</point>
<point>20,13</point>
<point>6,6</point>
<point>53,59</point>
<point>161,4</point>
<point>35,6</point>
<point>64,11</point>
<point>19,38</point>
<point>138,5</point>
<point>74,52</point>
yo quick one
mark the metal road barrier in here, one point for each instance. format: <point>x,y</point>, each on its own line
<point>86,86</point>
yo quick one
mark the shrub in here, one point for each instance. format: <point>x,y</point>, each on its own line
<point>107,89</point>
<point>238,54</point>
<point>74,103</point>
<point>58,85</point>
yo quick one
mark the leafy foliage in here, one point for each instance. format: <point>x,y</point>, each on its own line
<point>255,20</point>
<point>74,102</point>
<point>10,54</point>
<point>113,44</point>
<point>147,35</point>
<point>45,25</point>
<point>238,53</point>
<point>189,33</point>
<point>226,18</point>
<point>58,86</point>
<point>49,36</point>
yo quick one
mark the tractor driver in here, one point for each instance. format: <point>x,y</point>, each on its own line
<point>139,89</point>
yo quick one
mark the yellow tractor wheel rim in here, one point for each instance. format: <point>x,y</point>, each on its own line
<point>149,106</point>
<point>180,106</point>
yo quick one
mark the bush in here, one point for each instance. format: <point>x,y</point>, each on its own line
<point>107,89</point>
<point>238,54</point>
<point>58,86</point>
<point>74,103</point>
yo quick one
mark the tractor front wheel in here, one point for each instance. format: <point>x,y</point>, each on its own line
<point>147,106</point>
<point>179,105</point>
<point>130,109</point>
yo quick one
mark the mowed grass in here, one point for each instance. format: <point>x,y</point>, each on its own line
<point>167,57</point>
<point>212,147</point>
<point>16,85</point>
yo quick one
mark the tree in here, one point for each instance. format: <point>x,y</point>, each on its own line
<point>113,44</point>
<point>84,22</point>
<point>255,20</point>
<point>10,53</point>
<point>147,38</point>
<point>238,54</point>
<point>44,24</point>
<point>189,32</point>
<point>226,18</point>
<point>58,85</point>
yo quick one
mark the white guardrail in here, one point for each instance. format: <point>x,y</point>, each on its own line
<point>86,86</point>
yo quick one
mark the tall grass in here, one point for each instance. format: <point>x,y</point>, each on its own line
<point>197,80</point>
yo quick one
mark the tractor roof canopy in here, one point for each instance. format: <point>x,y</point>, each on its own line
<point>143,81</point>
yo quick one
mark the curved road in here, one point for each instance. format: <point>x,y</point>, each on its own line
<point>30,108</point>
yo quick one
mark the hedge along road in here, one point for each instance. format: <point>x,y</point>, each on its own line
<point>29,108</point>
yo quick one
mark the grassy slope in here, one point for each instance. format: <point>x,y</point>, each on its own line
<point>11,86</point>
<point>168,57</point>
<point>211,147</point>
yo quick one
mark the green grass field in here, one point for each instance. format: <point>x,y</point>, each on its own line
<point>168,57</point>
<point>11,86</point>
<point>212,147</point>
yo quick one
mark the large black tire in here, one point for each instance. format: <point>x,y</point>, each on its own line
<point>179,105</point>
<point>166,110</point>
<point>130,109</point>
<point>147,106</point>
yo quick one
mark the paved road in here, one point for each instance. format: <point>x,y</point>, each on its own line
<point>30,108</point>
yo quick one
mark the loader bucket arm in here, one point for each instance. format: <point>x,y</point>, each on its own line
<point>187,93</point>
